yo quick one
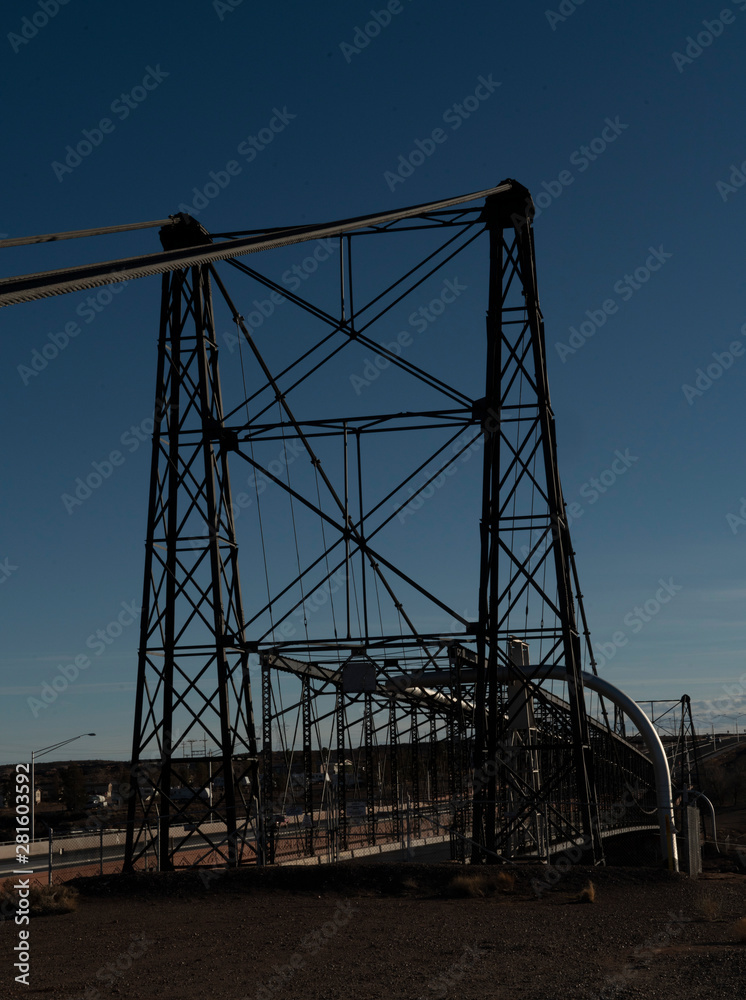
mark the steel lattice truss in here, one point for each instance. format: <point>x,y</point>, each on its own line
<point>385,706</point>
<point>351,697</point>
<point>193,657</point>
<point>673,720</point>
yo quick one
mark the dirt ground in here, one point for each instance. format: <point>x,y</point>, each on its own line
<point>388,931</point>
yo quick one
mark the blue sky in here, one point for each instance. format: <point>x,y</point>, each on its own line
<point>655,196</point>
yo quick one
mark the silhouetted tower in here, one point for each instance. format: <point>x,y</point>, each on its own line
<point>193,679</point>
<point>685,763</point>
<point>526,606</point>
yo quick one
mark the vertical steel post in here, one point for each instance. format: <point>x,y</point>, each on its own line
<point>394,772</point>
<point>433,762</point>
<point>415,762</point>
<point>370,774</point>
<point>307,762</point>
<point>264,807</point>
<point>341,772</point>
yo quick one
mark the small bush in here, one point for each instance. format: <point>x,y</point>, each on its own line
<point>467,886</point>
<point>740,930</point>
<point>505,881</point>
<point>43,899</point>
<point>476,884</point>
<point>6,893</point>
<point>46,899</point>
<point>588,894</point>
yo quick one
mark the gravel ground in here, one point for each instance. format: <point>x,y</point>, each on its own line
<point>388,931</point>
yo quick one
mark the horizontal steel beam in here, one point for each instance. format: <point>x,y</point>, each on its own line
<point>29,287</point>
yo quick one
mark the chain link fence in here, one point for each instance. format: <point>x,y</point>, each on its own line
<point>326,837</point>
<point>70,854</point>
<point>436,831</point>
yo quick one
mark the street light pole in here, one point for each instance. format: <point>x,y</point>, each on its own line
<point>735,718</point>
<point>741,715</point>
<point>40,753</point>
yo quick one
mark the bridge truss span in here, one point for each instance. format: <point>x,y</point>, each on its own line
<point>361,410</point>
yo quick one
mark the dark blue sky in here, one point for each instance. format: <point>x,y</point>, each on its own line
<point>626,122</point>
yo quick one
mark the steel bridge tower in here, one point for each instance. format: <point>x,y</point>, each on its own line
<point>526,558</point>
<point>193,680</point>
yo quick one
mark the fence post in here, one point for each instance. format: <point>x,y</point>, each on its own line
<point>50,856</point>
<point>410,854</point>
<point>101,850</point>
<point>261,843</point>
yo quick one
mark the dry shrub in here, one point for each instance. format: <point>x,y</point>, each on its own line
<point>46,899</point>
<point>739,929</point>
<point>467,886</point>
<point>588,894</point>
<point>505,881</point>
<point>7,895</point>
<point>43,899</point>
<point>473,885</point>
<point>709,908</point>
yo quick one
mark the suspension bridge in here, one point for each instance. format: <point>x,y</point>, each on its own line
<point>392,464</point>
